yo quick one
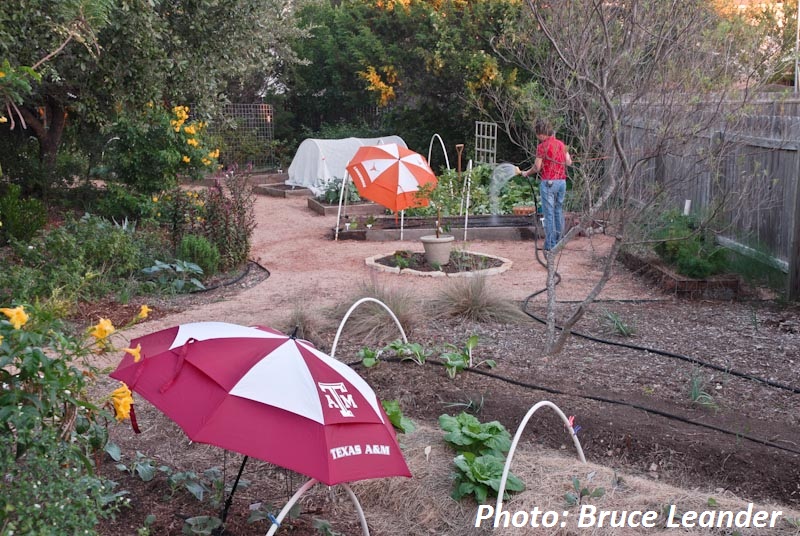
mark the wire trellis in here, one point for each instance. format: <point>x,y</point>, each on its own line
<point>246,134</point>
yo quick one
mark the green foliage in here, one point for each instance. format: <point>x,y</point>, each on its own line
<point>688,247</point>
<point>81,260</point>
<point>457,359</point>
<point>175,278</point>
<point>333,190</point>
<point>50,429</point>
<point>153,147</point>
<point>323,526</point>
<point>369,357</point>
<point>20,219</point>
<point>204,525</point>
<point>230,221</point>
<point>119,202</point>
<point>409,351</point>
<point>401,423</point>
<point>582,493</point>
<point>467,434</point>
<point>198,250</point>
<point>481,448</point>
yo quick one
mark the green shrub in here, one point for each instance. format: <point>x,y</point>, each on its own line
<point>50,430</point>
<point>20,218</point>
<point>119,203</point>
<point>154,146</point>
<point>81,260</point>
<point>198,250</point>
<point>689,248</point>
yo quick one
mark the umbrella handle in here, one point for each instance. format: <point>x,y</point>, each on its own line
<point>300,492</point>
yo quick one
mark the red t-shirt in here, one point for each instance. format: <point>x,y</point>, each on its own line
<point>553,154</point>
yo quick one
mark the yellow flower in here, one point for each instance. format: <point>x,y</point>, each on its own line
<point>2,74</point>
<point>3,119</point>
<point>186,159</point>
<point>1,339</point>
<point>205,161</point>
<point>103,329</point>
<point>214,153</point>
<point>193,142</point>
<point>191,130</point>
<point>17,316</point>
<point>122,399</point>
<point>150,104</point>
<point>135,352</point>
<point>143,312</point>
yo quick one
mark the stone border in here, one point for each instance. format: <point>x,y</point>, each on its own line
<point>372,263</point>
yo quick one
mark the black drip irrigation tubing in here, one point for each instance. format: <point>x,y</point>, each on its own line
<point>553,391</point>
<point>235,280</point>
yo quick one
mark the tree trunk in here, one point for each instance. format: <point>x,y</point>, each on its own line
<point>47,124</point>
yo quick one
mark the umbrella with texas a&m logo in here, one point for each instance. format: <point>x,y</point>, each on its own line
<point>262,393</point>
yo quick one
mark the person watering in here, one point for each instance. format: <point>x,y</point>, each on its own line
<point>552,159</point>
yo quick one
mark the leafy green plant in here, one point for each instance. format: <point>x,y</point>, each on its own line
<point>401,259</point>
<point>324,527</point>
<point>142,466</point>
<point>615,324</point>
<point>198,250</point>
<point>481,448</point>
<point>204,525</point>
<point>333,191</point>
<point>409,351</point>
<point>400,422</point>
<point>369,357</point>
<point>20,219</point>
<point>582,493</point>
<point>177,277</point>
<point>458,359</point>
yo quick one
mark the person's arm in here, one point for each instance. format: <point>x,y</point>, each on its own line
<point>567,158</point>
<point>537,165</point>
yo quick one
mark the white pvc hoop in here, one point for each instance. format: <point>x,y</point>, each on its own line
<point>339,212</point>
<point>430,147</point>
<point>522,425</point>
<point>350,311</point>
<point>300,492</point>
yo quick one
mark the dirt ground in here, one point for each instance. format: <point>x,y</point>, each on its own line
<point>633,405</point>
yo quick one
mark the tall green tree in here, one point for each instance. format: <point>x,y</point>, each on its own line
<point>170,51</point>
<point>416,61</point>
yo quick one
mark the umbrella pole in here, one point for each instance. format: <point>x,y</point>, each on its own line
<point>402,214</point>
<point>229,500</point>
<point>339,212</point>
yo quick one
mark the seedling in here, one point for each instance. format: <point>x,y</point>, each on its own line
<point>582,493</point>
<point>697,392</point>
<point>457,359</point>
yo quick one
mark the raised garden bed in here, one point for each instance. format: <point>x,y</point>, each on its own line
<point>462,264</point>
<point>282,190</point>
<point>352,209</point>
<point>722,286</point>
<point>386,228</point>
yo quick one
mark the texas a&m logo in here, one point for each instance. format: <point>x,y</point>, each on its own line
<point>338,398</point>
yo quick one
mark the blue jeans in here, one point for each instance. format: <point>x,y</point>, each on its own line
<point>552,195</point>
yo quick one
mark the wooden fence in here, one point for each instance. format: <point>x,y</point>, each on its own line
<point>748,164</point>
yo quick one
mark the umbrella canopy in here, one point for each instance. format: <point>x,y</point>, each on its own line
<point>391,175</point>
<point>264,394</point>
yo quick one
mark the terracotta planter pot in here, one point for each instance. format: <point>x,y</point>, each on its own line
<point>437,249</point>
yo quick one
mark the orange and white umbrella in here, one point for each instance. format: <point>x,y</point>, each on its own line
<point>391,175</point>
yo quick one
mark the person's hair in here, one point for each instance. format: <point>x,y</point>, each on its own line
<point>543,128</point>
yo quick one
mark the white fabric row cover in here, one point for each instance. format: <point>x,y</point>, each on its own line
<point>319,161</point>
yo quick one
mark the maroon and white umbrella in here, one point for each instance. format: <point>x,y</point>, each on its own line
<point>259,392</point>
